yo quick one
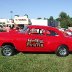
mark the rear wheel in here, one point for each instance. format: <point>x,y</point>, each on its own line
<point>7,50</point>
<point>62,51</point>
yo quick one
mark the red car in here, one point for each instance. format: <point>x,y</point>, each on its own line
<point>35,39</point>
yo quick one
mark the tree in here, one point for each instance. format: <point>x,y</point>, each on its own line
<point>63,15</point>
<point>57,19</point>
<point>39,18</point>
<point>65,20</point>
<point>51,21</point>
<point>51,18</point>
<point>45,18</point>
<point>26,15</point>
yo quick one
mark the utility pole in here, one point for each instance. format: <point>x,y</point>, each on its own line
<point>11,13</point>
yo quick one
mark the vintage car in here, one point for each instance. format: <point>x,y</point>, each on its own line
<point>35,38</point>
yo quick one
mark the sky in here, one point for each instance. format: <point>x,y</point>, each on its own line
<point>35,8</point>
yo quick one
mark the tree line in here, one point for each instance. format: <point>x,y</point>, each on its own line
<point>64,19</point>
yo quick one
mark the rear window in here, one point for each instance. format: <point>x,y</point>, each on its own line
<point>51,33</point>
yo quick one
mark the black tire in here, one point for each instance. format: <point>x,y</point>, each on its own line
<point>7,50</point>
<point>62,51</point>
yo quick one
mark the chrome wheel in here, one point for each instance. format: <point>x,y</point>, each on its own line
<point>62,51</point>
<point>7,51</point>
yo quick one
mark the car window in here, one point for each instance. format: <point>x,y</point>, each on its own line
<point>51,33</point>
<point>37,31</point>
<point>25,29</point>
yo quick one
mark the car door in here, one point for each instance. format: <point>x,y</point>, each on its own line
<point>53,40</point>
<point>35,40</point>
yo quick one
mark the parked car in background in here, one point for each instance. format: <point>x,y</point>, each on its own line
<point>66,31</point>
<point>35,38</point>
<point>69,32</point>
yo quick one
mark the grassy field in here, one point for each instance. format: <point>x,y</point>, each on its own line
<point>35,63</point>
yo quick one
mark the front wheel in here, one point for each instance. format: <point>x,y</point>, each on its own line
<point>7,50</point>
<point>62,51</point>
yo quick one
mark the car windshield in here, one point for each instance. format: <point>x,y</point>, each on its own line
<point>24,29</point>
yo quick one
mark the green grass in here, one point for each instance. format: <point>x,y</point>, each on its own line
<point>35,63</point>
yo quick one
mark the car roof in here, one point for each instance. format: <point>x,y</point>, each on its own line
<point>42,27</point>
